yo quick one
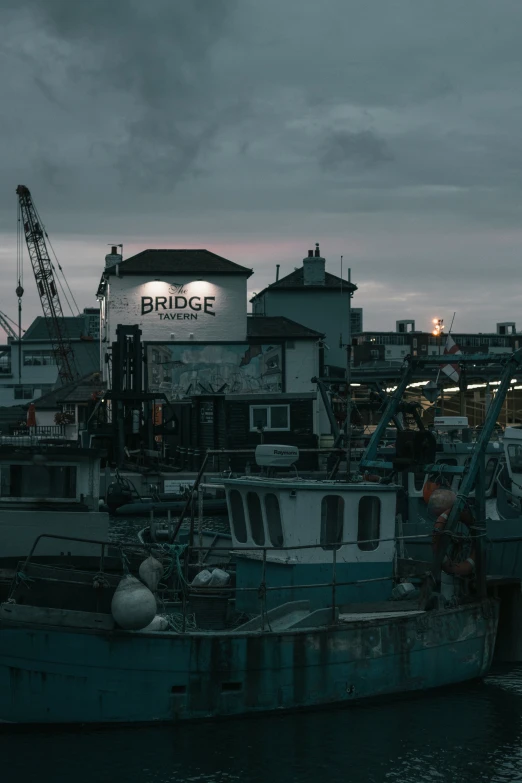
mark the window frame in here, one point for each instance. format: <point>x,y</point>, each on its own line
<point>268,408</point>
<point>375,544</point>
<point>23,390</point>
<point>253,497</point>
<point>8,479</point>
<point>341,508</point>
<point>233,518</point>
<point>270,517</point>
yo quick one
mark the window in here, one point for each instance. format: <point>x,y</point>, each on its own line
<point>238,516</point>
<point>70,411</point>
<point>369,523</point>
<point>273,519</point>
<point>5,362</point>
<point>269,417</point>
<point>23,392</point>
<point>515,457</point>
<point>332,521</point>
<point>256,518</point>
<point>39,481</point>
<point>39,358</point>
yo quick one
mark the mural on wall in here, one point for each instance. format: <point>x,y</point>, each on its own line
<point>181,370</point>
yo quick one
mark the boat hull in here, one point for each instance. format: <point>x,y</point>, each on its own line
<point>63,675</point>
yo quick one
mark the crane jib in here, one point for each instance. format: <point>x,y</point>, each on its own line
<point>46,286</point>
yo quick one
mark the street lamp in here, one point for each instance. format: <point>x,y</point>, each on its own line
<point>438,328</point>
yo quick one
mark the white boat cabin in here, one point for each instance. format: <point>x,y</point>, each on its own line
<point>310,530</point>
<point>357,520</point>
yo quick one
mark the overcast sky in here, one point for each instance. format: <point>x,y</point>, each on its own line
<point>390,131</point>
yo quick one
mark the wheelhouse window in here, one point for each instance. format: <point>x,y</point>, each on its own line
<point>256,518</point>
<point>369,523</point>
<point>238,516</point>
<point>273,519</point>
<point>269,417</point>
<point>515,457</point>
<point>38,481</point>
<point>332,521</point>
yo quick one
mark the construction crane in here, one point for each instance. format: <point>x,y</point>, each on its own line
<point>45,283</point>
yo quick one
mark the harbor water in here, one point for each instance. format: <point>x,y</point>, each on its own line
<point>469,734</point>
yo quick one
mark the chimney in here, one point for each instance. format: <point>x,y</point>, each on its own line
<point>112,258</point>
<point>313,267</point>
<point>277,272</point>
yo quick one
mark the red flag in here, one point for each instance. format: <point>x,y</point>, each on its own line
<point>31,415</point>
<point>452,349</point>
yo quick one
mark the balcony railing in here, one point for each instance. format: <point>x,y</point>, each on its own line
<point>40,431</point>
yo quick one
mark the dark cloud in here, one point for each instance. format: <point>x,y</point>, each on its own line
<point>348,148</point>
<point>389,131</point>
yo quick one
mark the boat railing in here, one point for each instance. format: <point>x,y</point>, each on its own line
<point>179,556</point>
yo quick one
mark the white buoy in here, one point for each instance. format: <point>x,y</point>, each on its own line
<point>133,605</point>
<point>159,623</point>
<point>151,572</point>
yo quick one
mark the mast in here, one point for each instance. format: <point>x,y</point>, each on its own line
<point>46,286</point>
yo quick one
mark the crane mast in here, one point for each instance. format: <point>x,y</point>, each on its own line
<point>47,290</point>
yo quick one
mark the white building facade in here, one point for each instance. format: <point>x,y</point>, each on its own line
<point>317,299</point>
<point>191,308</point>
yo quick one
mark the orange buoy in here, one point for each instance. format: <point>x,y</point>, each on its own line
<point>428,490</point>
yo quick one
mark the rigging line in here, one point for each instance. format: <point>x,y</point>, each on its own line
<point>59,267</point>
<point>12,320</point>
<point>19,245</point>
<point>52,265</point>
<point>64,277</point>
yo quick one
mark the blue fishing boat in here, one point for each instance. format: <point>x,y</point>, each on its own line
<point>304,617</point>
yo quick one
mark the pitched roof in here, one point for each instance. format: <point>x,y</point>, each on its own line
<point>78,391</point>
<point>279,326</point>
<point>74,326</point>
<point>178,261</point>
<point>295,280</point>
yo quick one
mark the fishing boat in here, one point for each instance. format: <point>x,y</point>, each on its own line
<point>304,617</point>
<point>509,481</point>
<point>471,468</point>
<point>49,488</point>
